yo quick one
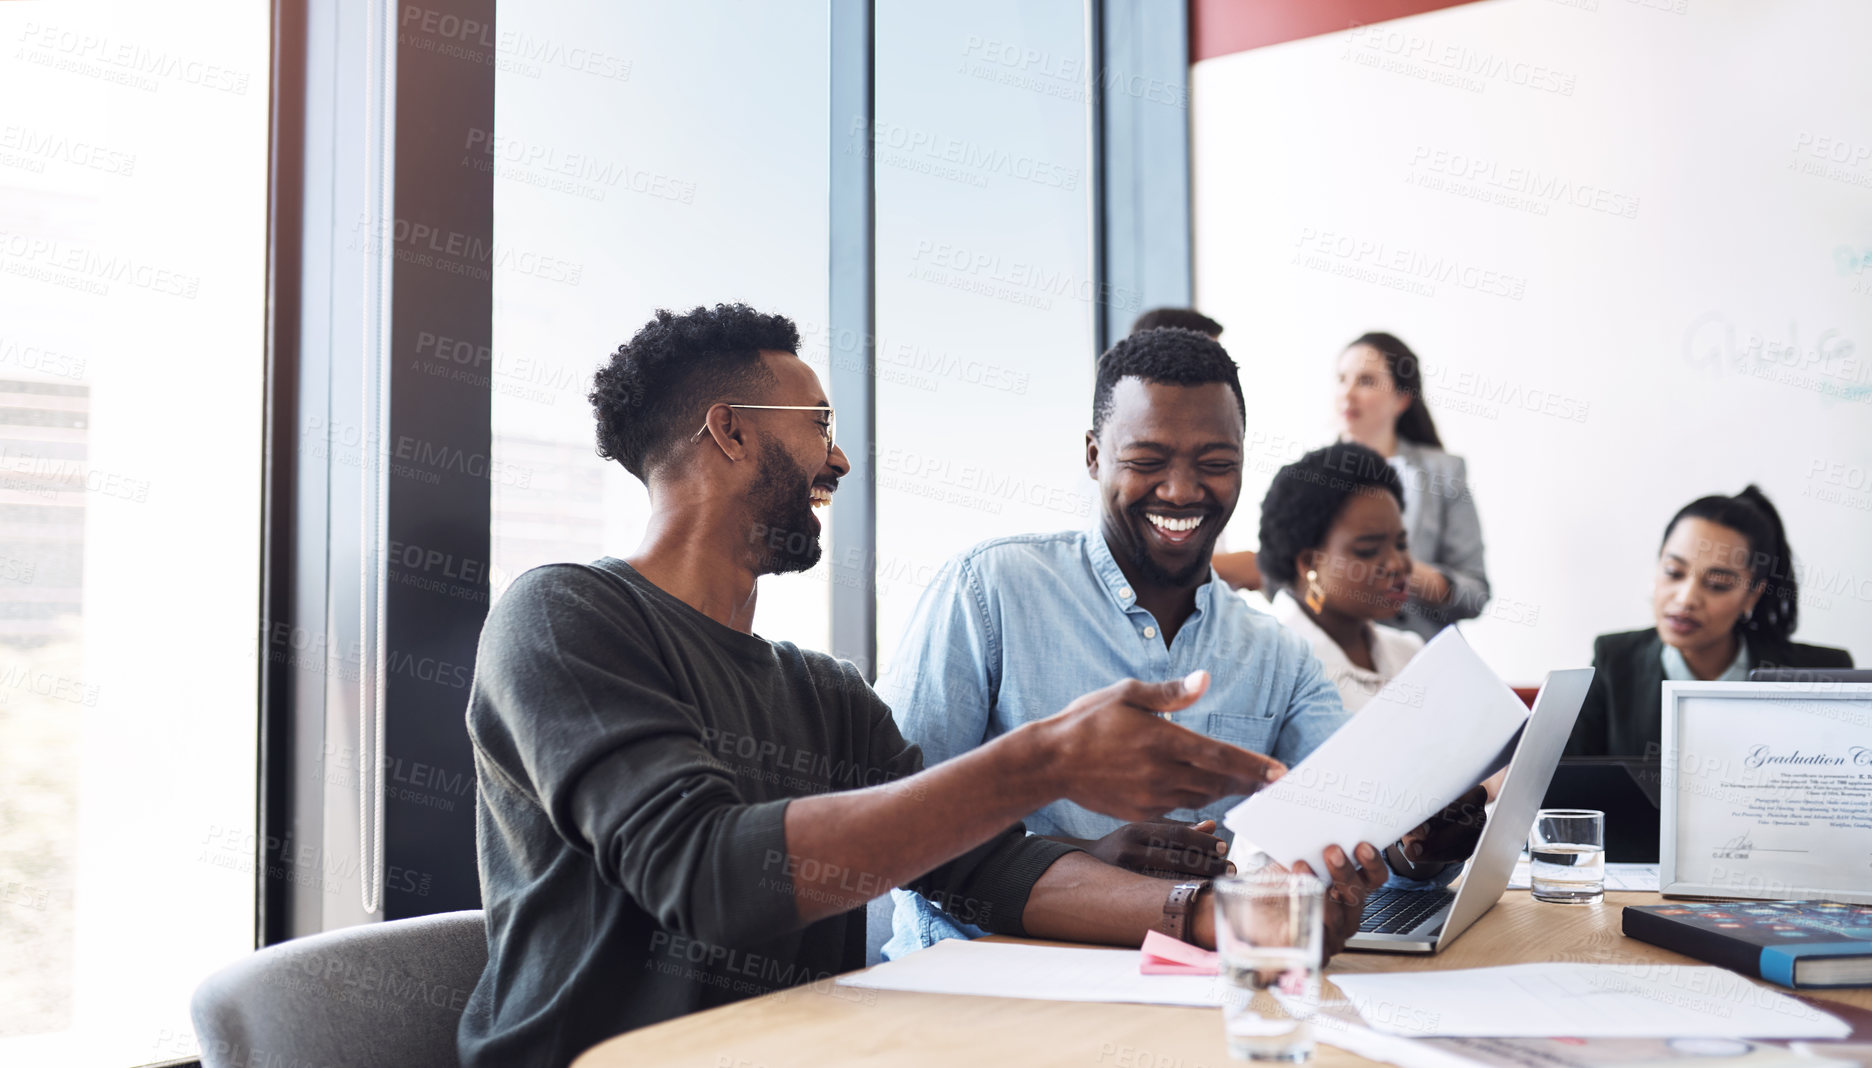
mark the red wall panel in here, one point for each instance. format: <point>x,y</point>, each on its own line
<point>1220,27</point>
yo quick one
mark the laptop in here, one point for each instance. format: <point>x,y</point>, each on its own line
<point>1424,921</point>
<point>1626,789</point>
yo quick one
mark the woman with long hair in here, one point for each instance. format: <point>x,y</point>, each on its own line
<point>1380,405</point>
<point>1724,601</point>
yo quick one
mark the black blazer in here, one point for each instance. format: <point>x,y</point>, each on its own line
<point>1623,714</point>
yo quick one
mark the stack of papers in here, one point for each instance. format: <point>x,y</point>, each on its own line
<point>1582,1001</point>
<point>1047,973</point>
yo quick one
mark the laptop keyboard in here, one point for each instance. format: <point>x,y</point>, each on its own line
<point>1397,911</point>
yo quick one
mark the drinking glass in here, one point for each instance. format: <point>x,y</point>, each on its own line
<point>1566,854</point>
<point>1270,930</point>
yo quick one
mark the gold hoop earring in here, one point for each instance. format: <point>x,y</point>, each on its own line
<point>1315,593</point>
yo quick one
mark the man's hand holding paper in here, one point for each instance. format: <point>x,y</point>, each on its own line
<point>1351,876</point>
<point>1445,838</point>
<point>1442,726</point>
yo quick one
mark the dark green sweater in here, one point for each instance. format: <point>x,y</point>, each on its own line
<point>634,760</point>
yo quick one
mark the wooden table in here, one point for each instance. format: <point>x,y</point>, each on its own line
<point>826,1025</point>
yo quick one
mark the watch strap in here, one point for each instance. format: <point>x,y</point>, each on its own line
<point>1178,907</point>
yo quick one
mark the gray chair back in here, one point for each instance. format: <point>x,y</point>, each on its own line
<point>377,994</point>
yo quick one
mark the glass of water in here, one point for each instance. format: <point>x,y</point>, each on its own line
<point>1270,930</point>
<point>1566,851</point>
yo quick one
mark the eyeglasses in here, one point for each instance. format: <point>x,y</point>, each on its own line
<point>825,430</point>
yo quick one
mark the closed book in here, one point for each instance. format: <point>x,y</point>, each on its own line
<point>1793,943</point>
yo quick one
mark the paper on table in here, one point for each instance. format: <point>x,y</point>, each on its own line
<point>1383,1048</point>
<point>1583,1001</point>
<point>1622,876</point>
<point>1046,973</point>
<point>1441,726</point>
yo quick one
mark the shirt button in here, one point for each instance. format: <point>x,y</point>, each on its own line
<point>1125,593</point>
<point>1150,632</point>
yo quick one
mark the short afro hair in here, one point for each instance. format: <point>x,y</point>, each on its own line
<point>1170,355</point>
<point>1187,318</point>
<point>1306,497</point>
<point>656,387</point>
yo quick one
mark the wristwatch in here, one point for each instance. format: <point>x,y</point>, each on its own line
<point>1179,907</point>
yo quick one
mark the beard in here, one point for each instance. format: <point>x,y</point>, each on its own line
<point>785,534</point>
<point>1152,572</point>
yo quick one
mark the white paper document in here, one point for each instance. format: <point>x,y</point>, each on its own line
<point>1628,877</point>
<point>1582,1001</point>
<point>1047,973</point>
<point>1438,728</point>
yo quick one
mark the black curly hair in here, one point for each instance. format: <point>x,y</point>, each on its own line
<point>1187,318</point>
<point>1771,559</point>
<point>1166,354</point>
<point>654,391</point>
<point>1307,496</point>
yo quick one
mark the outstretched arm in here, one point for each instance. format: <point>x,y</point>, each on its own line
<point>1080,899</point>
<point>1110,751</point>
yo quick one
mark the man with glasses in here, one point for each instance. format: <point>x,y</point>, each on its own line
<point>674,813</point>
<point>1012,627</point>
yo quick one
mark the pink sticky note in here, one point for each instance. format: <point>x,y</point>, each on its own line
<point>1163,955</point>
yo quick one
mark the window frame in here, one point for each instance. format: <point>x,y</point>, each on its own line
<point>308,806</point>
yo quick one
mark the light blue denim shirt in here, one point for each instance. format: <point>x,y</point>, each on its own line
<point>1017,628</point>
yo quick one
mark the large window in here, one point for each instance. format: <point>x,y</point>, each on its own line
<point>133,155</point>
<point>662,181</point>
<point>986,293</point>
<point>641,156</point>
<point>682,160</point>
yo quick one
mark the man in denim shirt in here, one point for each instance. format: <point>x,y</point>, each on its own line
<point>1015,628</point>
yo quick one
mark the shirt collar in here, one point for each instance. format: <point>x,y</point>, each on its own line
<point>1108,571</point>
<point>1677,669</point>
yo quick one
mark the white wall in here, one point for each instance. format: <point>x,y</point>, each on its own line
<point>1609,228</point>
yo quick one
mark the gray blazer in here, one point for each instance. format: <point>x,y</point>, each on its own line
<point>1444,530</point>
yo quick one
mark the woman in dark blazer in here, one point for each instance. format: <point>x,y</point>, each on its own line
<point>1723,603</point>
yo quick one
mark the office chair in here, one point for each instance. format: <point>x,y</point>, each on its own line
<point>379,994</point>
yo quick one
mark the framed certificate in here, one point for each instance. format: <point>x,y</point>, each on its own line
<point>1767,791</point>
